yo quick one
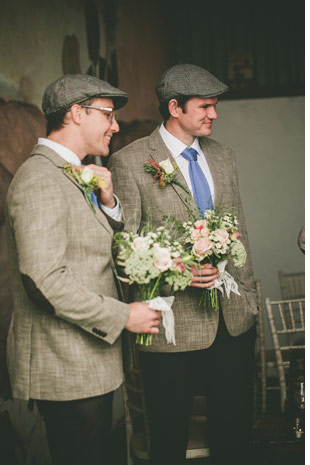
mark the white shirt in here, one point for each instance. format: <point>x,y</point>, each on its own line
<point>71,157</point>
<point>176,147</point>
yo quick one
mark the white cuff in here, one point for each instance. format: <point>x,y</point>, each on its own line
<point>116,212</point>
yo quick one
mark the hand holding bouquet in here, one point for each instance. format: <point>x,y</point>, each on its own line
<point>212,240</point>
<point>152,260</point>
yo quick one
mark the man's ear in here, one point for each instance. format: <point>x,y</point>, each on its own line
<point>76,113</point>
<point>174,108</point>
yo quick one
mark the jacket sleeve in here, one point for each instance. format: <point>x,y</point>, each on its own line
<point>37,213</point>
<point>244,274</point>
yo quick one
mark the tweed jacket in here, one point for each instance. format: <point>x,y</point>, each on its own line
<point>195,326</point>
<point>64,341</point>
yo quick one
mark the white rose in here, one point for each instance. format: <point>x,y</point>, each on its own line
<point>162,258</point>
<point>140,243</point>
<point>167,166</point>
<point>87,174</point>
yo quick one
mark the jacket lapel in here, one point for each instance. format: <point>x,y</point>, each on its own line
<point>160,152</point>
<point>58,161</point>
<point>214,160</point>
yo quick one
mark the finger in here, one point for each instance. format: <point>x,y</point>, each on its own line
<point>208,271</point>
<point>155,313</point>
<point>203,271</point>
<point>205,279</point>
<point>203,285</point>
<point>153,331</point>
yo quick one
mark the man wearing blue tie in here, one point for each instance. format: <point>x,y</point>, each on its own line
<point>214,350</point>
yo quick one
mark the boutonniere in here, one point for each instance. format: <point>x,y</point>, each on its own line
<point>87,180</point>
<point>164,172</point>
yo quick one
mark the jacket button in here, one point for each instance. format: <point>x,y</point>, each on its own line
<point>99,332</point>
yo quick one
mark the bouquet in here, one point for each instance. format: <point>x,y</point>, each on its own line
<point>212,240</point>
<point>153,260</point>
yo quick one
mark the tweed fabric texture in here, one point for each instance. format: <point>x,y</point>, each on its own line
<point>67,344</point>
<point>188,80</point>
<point>195,326</point>
<point>76,88</point>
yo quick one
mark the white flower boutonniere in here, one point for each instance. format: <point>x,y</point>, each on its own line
<point>85,177</point>
<point>164,172</point>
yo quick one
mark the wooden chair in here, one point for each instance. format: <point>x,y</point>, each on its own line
<point>292,285</point>
<point>137,429</point>
<point>260,351</point>
<point>286,319</point>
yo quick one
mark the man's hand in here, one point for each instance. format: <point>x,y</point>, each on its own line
<point>142,319</point>
<point>106,194</point>
<point>205,276</point>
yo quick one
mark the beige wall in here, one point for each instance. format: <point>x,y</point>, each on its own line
<point>268,138</point>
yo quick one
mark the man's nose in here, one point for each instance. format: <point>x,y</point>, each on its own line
<point>115,126</point>
<point>212,113</point>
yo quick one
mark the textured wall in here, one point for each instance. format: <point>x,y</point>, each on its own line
<point>32,34</point>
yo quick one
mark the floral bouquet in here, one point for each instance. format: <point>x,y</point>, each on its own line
<point>85,177</point>
<point>152,260</point>
<point>212,240</point>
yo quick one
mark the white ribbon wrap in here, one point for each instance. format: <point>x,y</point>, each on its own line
<point>225,279</point>
<point>164,304</point>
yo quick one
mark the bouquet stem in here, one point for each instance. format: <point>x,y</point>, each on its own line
<point>144,339</point>
<point>209,297</point>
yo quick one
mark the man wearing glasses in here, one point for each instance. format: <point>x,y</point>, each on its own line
<point>64,344</point>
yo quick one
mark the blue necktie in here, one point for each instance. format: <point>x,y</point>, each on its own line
<point>94,199</point>
<point>200,185</point>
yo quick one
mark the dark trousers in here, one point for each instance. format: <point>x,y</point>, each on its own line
<point>222,373</point>
<point>78,431</point>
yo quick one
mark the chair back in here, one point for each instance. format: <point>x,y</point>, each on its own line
<point>287,325</point>
<point>292,285</point>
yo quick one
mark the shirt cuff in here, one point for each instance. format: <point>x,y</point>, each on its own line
<point>116,212</point>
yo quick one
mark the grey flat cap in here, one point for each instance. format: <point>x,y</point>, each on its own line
<point>75,88</point>
<point>188,80</point>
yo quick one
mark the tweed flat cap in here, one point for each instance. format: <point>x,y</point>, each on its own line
<point>75,88</point>
<point>188,80</point>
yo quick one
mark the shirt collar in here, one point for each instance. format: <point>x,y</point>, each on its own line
<point>176,146</point>
<point>61,150</point>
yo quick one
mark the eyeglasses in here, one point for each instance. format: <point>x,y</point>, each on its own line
<point>111,116</point>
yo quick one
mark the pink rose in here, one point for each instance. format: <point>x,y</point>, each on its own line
<point>202,247</point>
<point>223,235</point>
<point>195,235</point>
<point>162,258</point>
<point>140,243</point>
<point>199,224</point>
<point>178,265</point>
<point>205,232</point>
<point>235,236</point>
